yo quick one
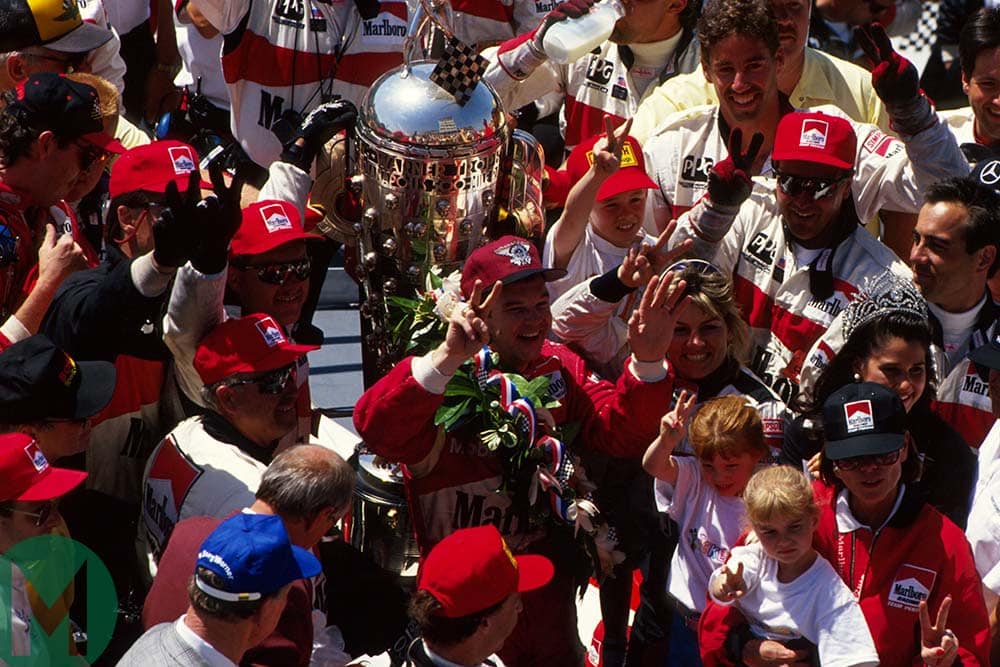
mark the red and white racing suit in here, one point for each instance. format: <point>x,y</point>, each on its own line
<point>888,173</point>
<point>292,55</point>
<point>598,83</point>
<point>774,290</point>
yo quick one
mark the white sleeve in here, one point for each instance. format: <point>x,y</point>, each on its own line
<point>893,173</point>
<point>842,635</point>
<point>194,309</point>
<point>519,76</point>
<point>286,182</point>
<point>588,322</point>
<point>751,558</point>
<point>106,62</point>
<point>983,530</point>
<point>726,253</point>
<point>225,15</point>
<point>688,488</point>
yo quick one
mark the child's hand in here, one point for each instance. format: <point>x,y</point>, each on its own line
<point>673,425</point>
<point>608,149</point>
<point>729,585</point>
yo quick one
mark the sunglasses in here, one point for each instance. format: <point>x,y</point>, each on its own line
<point>40,516</point>
<point>91,155</point>
<point>855,462</point>
<point>819,188</point>
<point>279,273</point>
<point>272,383</point>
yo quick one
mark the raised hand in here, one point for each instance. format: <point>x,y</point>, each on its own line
<point>174,229</point>
<point>938,644</point>
<point>729,585</point>
<point>218,218</point>
<point>608,149</point>
<point>651,326</point>
<point>645,260</point>
<point>894,78</point>
<point>467,330</point>
<point>58,256</point>
<point>729,184</point>
<point>674,423</point>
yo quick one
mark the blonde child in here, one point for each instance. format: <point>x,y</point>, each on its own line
<point>702,494</point>
<point>783,587</point>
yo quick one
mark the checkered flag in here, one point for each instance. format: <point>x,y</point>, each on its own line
<point>459,70</point>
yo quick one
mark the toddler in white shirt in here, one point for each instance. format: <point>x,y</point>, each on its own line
<point>781,585</point>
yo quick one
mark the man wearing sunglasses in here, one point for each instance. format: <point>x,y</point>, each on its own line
<point>797,258</point>
<point>28,496</point>
<point>211,464</point>
<point>741,57</point>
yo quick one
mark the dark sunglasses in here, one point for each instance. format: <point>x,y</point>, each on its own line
<point>280,272</point>
<point>855,462</point>
<point>793,186</point>
<point>41,516</point>
<point>272,383</point>
<point>91,155</point>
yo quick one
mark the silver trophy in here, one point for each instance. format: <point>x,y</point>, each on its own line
<point>441,171</point>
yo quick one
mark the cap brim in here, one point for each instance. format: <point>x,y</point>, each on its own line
<point>84,38</point>
<point>547,274</point>
<point>309,565</point>
<point>55,483</point>
<point>624,180</point>
<point>533,572</point>
<point>987,355</point>
<point>97,384</point>
<point>280,358</point>
<point>105,141</point>
<point>864,445</point>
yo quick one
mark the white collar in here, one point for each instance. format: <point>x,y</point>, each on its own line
<point>846,521</point>
<point>441,662</point>
<point>205,651</point>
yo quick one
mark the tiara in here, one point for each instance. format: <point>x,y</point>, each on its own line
<point>886,293</point>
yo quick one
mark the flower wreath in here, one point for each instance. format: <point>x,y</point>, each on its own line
<point>540,471</point>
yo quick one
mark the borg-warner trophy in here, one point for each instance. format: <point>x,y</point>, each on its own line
<point>440,172</point>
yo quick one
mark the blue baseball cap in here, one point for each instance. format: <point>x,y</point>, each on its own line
<point>254,556</point>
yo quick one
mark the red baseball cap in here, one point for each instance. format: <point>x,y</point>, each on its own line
<point>27,474</point>
<point>152,166</point>
<point>473,569</point>
<point>266,225</point>
<point>631,175</point>
<point>508,259</point>
<point>815,137</point>
<point>252,344</point>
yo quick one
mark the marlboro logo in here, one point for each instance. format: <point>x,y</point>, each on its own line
<point>859,416</point>
<point>814,133</point>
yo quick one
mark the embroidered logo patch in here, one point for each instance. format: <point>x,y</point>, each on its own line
<point>814,133</point>
<point>911,585</point>
<point>519,253</point>
<point>859,417</point>
<point>270,332</point>
<point>35,454</point>
<point>182,159</point>
<point>274,218</point>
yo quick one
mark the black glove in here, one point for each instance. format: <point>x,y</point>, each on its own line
<point>729,184</point>
<point>172,229</point>
<point>316,129</point>
<point>218,218</point>
<point>896,81</point>
<point>570,9</point>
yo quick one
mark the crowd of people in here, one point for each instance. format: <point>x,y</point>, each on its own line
<point>755,358</point>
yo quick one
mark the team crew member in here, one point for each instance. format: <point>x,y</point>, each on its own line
<point>796,259</point>
<point>281,60</point>
<point>210,465</point>
<point>652,42</point>
<point>453,482</point>
<point>956,244</point>
<point>910,568</point>
<point>974,126</point>
<point>808,77</point>
<point>740,56</point>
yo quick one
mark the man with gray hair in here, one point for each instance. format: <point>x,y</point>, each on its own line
<point>210,464</point>
<point>310,487</point>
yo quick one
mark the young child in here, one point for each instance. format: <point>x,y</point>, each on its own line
<point>783,587</point>
<point>604,211</point>
<point>702,494</point>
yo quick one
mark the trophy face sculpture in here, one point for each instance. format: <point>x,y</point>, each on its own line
<point>441,172</point>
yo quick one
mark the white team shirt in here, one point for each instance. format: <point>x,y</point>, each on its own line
<point>817,605</point>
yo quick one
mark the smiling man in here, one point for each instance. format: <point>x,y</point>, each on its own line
<point>211,464</point>
<point>798,257</point>
<point>453,481</point>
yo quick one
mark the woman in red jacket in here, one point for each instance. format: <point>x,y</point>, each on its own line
<point>909,566</point>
